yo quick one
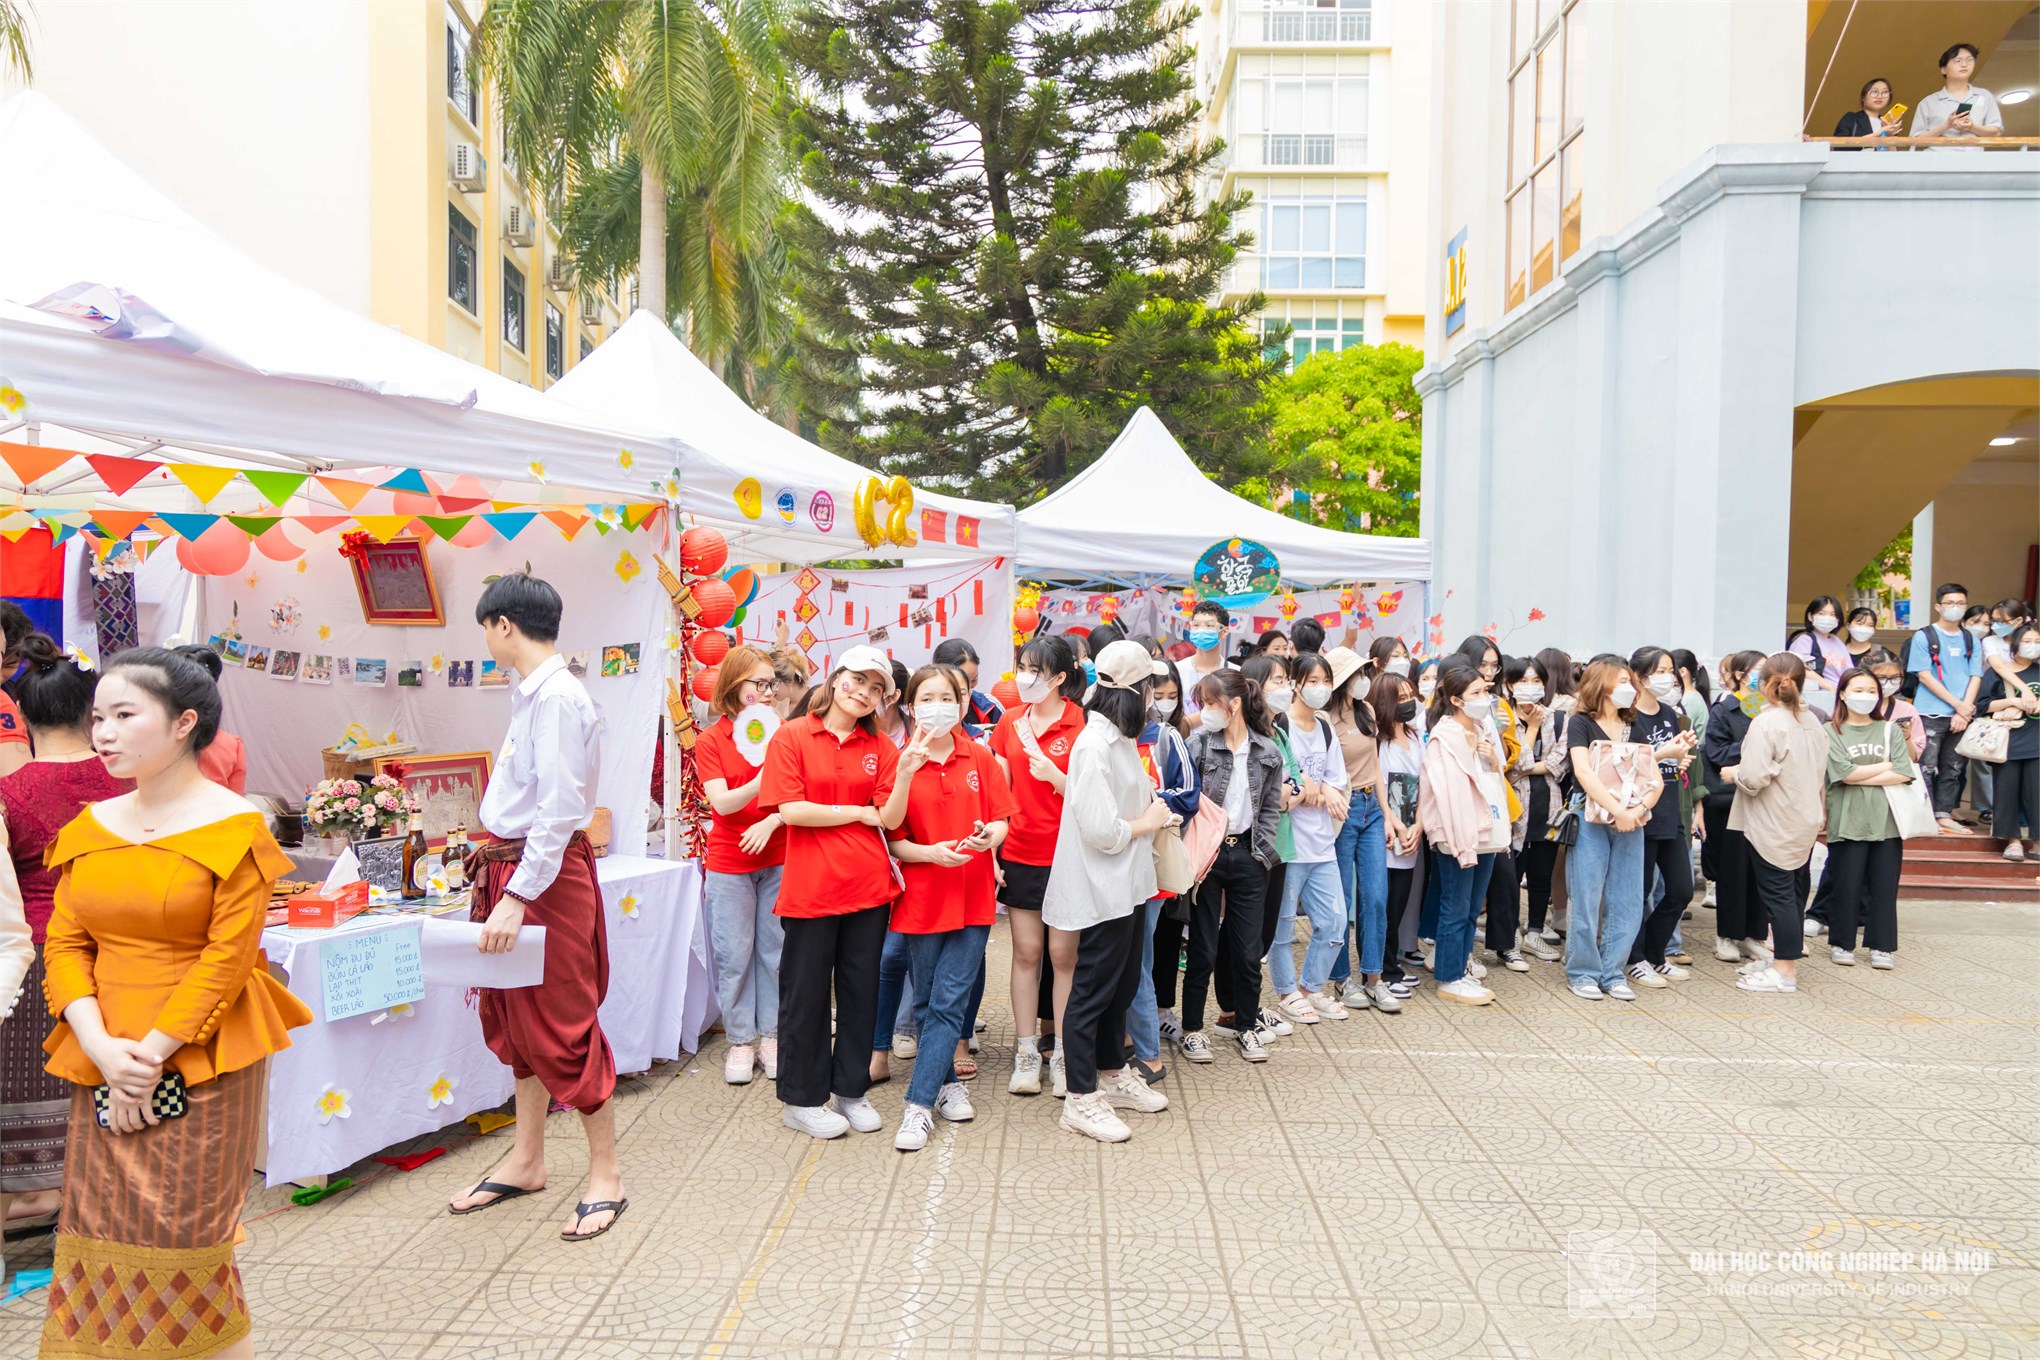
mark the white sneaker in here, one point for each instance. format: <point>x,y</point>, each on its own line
<point>2015,852</point>
<point>1467,992</point>
<point>1845,958</point>
<point>1324,1007</point>
<point>1195,1047</point>
<point>768,1056</point>
<point>1296,1008</point>
<point>915,1125</point>
<point>1058,1075</point>
<point>1383,998</point>
<point>1814,929</point>
<point>1429,949</point>
<point>1172,1027</point>
<point>860,1113</point>
<point>1758,951</point>
<point>1552,934</point>
<point>1768,980</point>
<point>818,1121</point>
<point>1354,994</point>
<point>1726,950</point>
<point>1588,991</point>
<point>1646,975</point>
<point>1708,900</point>
<point>739,1064</point>
<point>1535,945</point>
<point>1514,961</point>
<point>1622,991</point>
<point>1674,972</point>
<point>954,1104</point>
<point>1251,1048</point>
<point>1881,958</point>
<point>905,1046</point>
<point>1274,1022</point>
<point>1026,1073</point>
<point>1091,1116</point>
<point>1128,1091</point>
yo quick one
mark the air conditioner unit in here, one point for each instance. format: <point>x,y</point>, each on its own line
<point>561,274</point>
<point>466,167</point>
<point>517,224</point>
<point>591,309</point>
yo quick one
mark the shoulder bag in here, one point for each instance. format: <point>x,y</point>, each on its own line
<point>1909,806</point>
<point>1986,739</point>
<point>1622,767</point>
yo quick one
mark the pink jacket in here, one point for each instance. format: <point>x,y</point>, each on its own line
<point>1454,814</point>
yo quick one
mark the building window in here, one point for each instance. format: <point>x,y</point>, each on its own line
<point>1546,164</point>
<point>1316,119</point>
<point>587,347</point>
<point>459,55</point>
<point>1313,243</point>
<point>555,341</point>
<point>1320,21</point>
<point>461,283</point>
<point>513,306</point>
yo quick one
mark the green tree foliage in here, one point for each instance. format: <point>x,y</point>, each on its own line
<point>1348,432</point>
<point>1894,561</point>
<point>14,49</point>
<point>1004,254</point>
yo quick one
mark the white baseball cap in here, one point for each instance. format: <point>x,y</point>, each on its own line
<point>1124,664</point>
<point>867,660</point>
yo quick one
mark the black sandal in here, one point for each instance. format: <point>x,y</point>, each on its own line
<point>501,1192</point>
<point>614,1207</point>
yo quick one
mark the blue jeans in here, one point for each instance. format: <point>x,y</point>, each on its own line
<point>1676,944</point>
<point>746,940</point>
<point>1314,887</point>
<point>1461,895</point>
<point>1362,856</point>
<point>895,1000</point>
<point>1604,878</point>
<point>1143,1020</point>
<point>1427,914</point>
<point>945,967</point>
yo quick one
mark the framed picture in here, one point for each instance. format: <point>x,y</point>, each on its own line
<point>448,788</point>
<point>394,581</point>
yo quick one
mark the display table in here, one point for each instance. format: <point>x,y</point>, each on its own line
<point>349,1088</point>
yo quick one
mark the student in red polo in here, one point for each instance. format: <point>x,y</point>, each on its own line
<point>838,786</point>
<point>957,810</point>
<point>1033,744</point>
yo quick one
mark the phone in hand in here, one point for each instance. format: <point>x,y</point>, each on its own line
<point>1961,109</point>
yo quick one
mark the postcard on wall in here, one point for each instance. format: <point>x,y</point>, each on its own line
<point>283,665</point>
<point>371,670</point>
<point>918,591</point>
<point>412,676</point>
<point>492,676</point>
<point>577,664</point>
<point>258,659</point>
<point>620,658</point>
<point>236,652</point>
<point>460,674</point>
<point>343,669</point>
<point>316,669</point>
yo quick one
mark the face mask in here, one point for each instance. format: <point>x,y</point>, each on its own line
<point>1664,686</point>
<point>1212,719</point>
<point>1427,686</point>
<point>1165,708</point>
<point>1624,696</point>
<point>1824,623</point>
<point>1977,631</point>
<point>1406,711</point>
<point>2003,629</point>
<point>937,718</point>
<point>1090,672</point>
<point>1033,689</point>
<point>1952,613</point>
<point>2029,651</point>
<point>1204,639</point>
<point>1529,694</point>
<point>1479,707</point>
<point>1279,698</point>
<point>1317,696</point>
<point>1359,688</point>
<point>1890,688</point>
<point>1861,632</point>
<point>1398,665</point>
<point>1859,702</point>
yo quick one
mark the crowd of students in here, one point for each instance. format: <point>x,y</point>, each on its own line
<point>1156,831</point>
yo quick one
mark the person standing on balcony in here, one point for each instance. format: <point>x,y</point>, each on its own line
<point>1958,109</point>
<point>1871,116</point>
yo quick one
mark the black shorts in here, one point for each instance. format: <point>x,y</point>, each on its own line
<point>1026,885</point>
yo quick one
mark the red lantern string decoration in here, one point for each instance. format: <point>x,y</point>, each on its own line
<point>703,551</point>
<point>1007,692</point>
<point>1026,620</point>
<point>709,648</point>
<point>718,602</point>
<point>704,682</point>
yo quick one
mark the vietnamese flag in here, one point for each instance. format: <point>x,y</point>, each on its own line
<point>966,531</point>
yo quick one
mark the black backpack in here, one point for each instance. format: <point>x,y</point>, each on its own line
<point>1933,636</point>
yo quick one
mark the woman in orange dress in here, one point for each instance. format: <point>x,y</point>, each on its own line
<point>154,964</point>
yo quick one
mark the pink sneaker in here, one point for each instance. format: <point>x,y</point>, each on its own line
<point>768,1056</point>
<point>737,1067</point>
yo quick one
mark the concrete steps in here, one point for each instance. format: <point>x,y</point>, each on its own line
<point>1965,868</point>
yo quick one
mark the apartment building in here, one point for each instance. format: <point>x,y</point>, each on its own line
<point>346,144</point>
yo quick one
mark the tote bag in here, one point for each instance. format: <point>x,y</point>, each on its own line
<point>1909,807</point>
<point>1986,739</point>
<point>1623,767</point>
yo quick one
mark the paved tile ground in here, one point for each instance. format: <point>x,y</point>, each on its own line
<point>1529,1180</point>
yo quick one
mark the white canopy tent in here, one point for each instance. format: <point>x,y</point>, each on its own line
<point>1144,512</point>
<point>796,501</point>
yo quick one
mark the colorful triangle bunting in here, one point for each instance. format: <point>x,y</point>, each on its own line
<point>446,527</point>
<point>348,493</point>
<point>189,527</point>
<point>383,527</point>
<point>410,479</point>
<point>204,481</point>
<point>319,524</point>
<point>509,523</point>
<point>277,487</point>
<point>566,521</point>
<point>118,524</point>
<point>31,462</point>
<point>121,474</point>
<point>254,525</point>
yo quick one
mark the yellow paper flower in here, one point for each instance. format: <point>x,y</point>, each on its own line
<point>333,1101</point>
<point>253,577</point>
<point>672,641</point>
<point>325,631</point>
<point>402,1010</point>
<point>537,468</point>
<point>670,488</point>
<point>441,1092</point>
<point>627,568</point>
<point>624,459</point>
<point>11,399</point>
<point>438,663</point>
<point>301,565</point>
<point>628,906</point>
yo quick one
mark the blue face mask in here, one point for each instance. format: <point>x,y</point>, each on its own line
<point>2003,629</point>
<point>1204,639</point>
<point>1090,672</point>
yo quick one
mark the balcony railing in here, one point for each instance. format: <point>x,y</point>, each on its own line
<point>1928,143</point>
<point>1298,24</point>
<point>1309,150</point>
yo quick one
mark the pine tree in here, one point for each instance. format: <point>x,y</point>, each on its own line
<point>1005,255</point>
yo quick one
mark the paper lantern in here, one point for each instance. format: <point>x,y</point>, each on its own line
<point>1026,620</point>
<point>413,504</point>
<point>718,602</point>
<point>703,551</point>
<point>1007,692</point>
<point>710,648</point>
<point>220,551</point>
<point>474,533</point>
<point>744,582</point>
<point>276,545</point>
<point>704,682</point>
<point>184,557</point>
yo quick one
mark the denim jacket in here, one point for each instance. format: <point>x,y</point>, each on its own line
<point>1214,761</point>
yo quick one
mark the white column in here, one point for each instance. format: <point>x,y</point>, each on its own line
<point>1922,588</point>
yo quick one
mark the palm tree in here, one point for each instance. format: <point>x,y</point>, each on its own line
<point>652,117</point>
<point>14,39</point>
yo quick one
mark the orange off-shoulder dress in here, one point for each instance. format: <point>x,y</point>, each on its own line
<point>167,935</point>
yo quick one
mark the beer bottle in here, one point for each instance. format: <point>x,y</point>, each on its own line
<point>453,859</point>
<point>417,867</point>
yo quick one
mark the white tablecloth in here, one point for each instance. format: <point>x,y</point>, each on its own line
<point>661,996</point>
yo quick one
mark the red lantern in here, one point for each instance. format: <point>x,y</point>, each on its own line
<point>1007,692</point>
<point>710,648</point>
<point>718,602</point>
<point>703,552</point>
<point>1026,619</point>
<point>704,683</point>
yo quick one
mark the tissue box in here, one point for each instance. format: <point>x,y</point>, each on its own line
<point>316,911</point>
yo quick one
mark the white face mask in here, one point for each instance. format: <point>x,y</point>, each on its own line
<point>1479,707</point>
<point>1359,688</point>
<point>1212,719</point>
<point>1317,696</point>
<point>1859,702</point>
<point>1978,630</point>
<point>1890,687</point>
<point>1427,686</point>
<point>1165,708</point>
<point>2029,651</point>
<point>937,718</point>
<point>1664,686</point>
<point>1033,688</point>
<point>1279,697</point>
<point>1624,695</point>
<point>1398,665</point>
<point>1861,632</point>
<point>1529,694</point>
<point>1824,623</point>
<point>1952,613</point>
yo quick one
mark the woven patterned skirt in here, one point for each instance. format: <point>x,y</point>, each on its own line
<point>35,1107</point>
<point>145,1245</point>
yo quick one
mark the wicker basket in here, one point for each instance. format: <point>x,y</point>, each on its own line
<point>360,762</point>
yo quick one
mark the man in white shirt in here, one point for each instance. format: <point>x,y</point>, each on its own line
<point>540,870</point>
<point>1208,625</point>
<point>1937,116</point>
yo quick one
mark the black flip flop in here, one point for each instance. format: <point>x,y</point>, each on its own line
<point>501,1192</point>
<point>614,1207</point>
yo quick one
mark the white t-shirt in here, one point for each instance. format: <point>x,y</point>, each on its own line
<point>1402,766</point>
<point>1315,830</point>
<point>1239,812</point>
<point>1187,676</point>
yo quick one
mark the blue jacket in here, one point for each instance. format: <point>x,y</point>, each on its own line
<point>1181,788</point>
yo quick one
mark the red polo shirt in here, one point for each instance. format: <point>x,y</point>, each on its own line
<point>944,802</point>
<point>716,757</point>
<point>1031,838</point>
<point>830,870</point>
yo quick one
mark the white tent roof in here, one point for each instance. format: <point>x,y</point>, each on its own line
<point>1144,509</point>
<point>643,377</point>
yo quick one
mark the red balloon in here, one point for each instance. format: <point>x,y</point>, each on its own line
<point>411,503</point>
<point>474,533</point>
<point>744,581</point>
<point>184,557</point>
<point>220,551</point>
<point>1007,692</point>
<point>1025,620</point>
<point>703,551</point>
<point>704,682</point>
<point>277,545</point>
<point>718,602</point>
<point>710,648</point>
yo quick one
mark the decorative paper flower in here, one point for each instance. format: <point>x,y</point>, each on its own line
<point>78,658</point>
<point>1536,616</point>
<point>325,631</point>
<point>301,565</point>
<point>537,469</point>
<point>670,487</point>
<point>624,459</point>
<point>254,577</point>
<point>627,567</point>
<point>438,663</point>
<point>441,1092</point>
<point>11,399</point>
<point>628,906</point>
<point>333,1101</point>
<point>403,1010</point>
